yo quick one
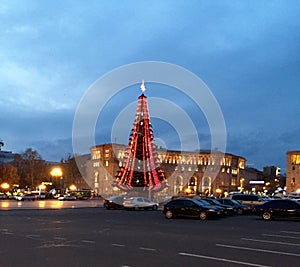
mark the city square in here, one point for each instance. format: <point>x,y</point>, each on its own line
<point>138,134</point>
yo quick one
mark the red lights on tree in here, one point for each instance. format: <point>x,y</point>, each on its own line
<point>141,168</point>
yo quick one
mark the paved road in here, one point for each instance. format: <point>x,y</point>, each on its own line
<point>108,238</point>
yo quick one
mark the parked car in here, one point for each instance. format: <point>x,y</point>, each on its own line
<point>139,203</point>
<point>247,199</point>
<point>28,196</point>
<point>221,210</point>
<point>241,208</point>
<point>114,202</point>
<point>185,207</point>
<point>284,208</point>
<point>3,196</point>
<point>229,210</point>
<point>67,197</point>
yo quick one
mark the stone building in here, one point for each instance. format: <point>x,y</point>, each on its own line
<point>186,172</point>
<point>293,171</point>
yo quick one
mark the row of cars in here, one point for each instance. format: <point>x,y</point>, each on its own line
<point>204,208</point>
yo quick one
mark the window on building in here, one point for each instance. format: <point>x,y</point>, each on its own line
<point>233,182</point>
<point>295,159</point>
<point>242,164</point>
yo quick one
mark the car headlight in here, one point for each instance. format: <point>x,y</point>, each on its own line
<point>212,210</point>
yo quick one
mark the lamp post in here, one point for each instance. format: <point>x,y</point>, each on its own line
<point>5,186</point>
<point>57,173</point>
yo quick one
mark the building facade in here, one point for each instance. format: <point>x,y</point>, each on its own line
<point>293,171</point>
<point>186,172</point>
<point>6,156</point>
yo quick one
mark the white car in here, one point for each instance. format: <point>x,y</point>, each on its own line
<point>28,196</point>
<point>67,197</point>
<point>2,196</point>
<point>139,203</point>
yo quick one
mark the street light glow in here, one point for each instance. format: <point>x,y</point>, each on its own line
<point>73,187</point>
<point>56,172</point>
<point>5,186</point>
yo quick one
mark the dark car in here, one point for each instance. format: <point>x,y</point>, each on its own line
<point>184,207</point>
<point>241,208</point>
<point>276,208</point>
<point>114,203</point>
<point>201,201</point>
<point>229,210</point>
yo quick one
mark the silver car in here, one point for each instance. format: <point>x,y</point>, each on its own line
<point>140,203</point>
<point>28,196</point>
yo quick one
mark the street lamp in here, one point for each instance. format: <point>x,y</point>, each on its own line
<point>72,187</point>
<point>57,173</point>
<point>5,186</point>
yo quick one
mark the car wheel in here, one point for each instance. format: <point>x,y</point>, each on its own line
<point>169,214</point>
<point>266,216</point>
<point>202,215</point>
<point>154,207</point>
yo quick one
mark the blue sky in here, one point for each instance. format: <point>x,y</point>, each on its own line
<point>247,52</point>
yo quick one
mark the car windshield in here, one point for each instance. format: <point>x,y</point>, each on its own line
<point>214,201</point>
<point>202,202</point>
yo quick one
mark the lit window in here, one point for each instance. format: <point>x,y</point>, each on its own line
<point>106,163</point>
<point>233,182</point>
<point>295,159</point>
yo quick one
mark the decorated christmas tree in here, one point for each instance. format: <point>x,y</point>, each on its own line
<point>141,169</point>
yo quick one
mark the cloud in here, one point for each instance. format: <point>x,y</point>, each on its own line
<point>248,55</point>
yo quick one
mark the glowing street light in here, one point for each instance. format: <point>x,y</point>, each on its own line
<point>218,191</point>
<point>5,186</point>
<point>72,187</point>
<point>57,173</point>
<point>42,187</point>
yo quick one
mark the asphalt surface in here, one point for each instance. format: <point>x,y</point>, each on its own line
<point>93,236</point>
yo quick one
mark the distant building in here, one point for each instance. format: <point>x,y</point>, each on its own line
<point>6,156</point>
<point>273,178</point>
<point>292,171</point>
<point>268,181</point>
<point>254,181</point>
<point>271,171</point>
<point>185,171</point>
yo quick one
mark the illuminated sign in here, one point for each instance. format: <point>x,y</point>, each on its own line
<point>256,182</point>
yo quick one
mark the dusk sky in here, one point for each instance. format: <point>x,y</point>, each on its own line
<point>246,52</point>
